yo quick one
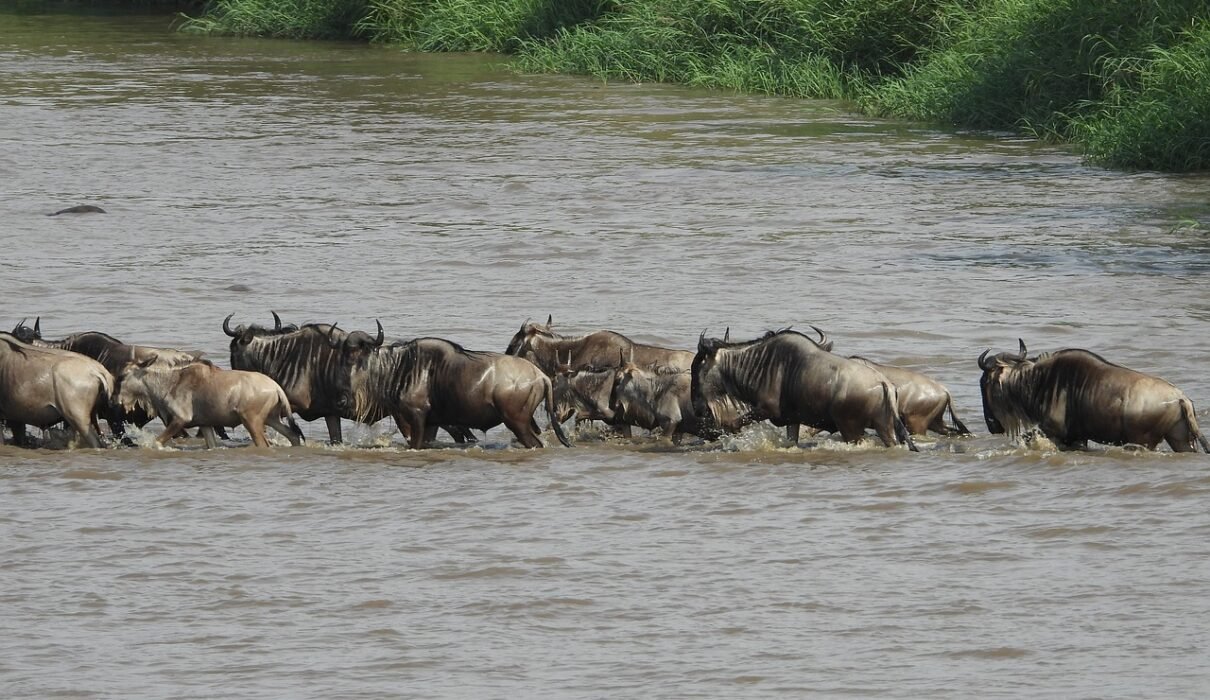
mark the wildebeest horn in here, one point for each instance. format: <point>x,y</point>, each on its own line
<point>38,328</point>
<point>727,335</point>
<point>701,340</point>
<point>227,326</point>
<point>823,337</point>
<point>1021,344</point>
<point>276,321</point>
<point>525,323</point>
<point>381,336</point>
<point>18,326</point>
<point>550,320</point>
<point>983,364</point>
<point>331,332</point>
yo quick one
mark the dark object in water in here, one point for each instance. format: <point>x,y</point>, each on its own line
<point>80,209</point>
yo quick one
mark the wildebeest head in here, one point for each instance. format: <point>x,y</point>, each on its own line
<point>138,382</point>
<point>357,345</point>
<point>997,370</point>
<point>25,333</point>
<point>522,341</point>
<point>708,392</point>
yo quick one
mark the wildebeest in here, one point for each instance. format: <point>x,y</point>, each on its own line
<point>431,381</point>
<point>922,400</point>
<point>202,395</point>
<point>114,355</point>
<point>1073,396</point>
<point>599,349</point>
<point>587,393</point>
<point>308,362</point>
<point>44,386</point>
<point>787,378</point>
<point>662,400</point>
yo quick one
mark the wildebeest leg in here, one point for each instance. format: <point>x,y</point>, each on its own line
<point>83,424</point>
<point>207,432</point>
<point>412,425</point>
<point>792,432</point>
<point>333,429</point>
<point>461,434</point>
<point>275,423</point>
<point>20,435</point>
<point>256,428</point>
<point>174,427</point>
<point>623,429</point>
<point>524,428</point>
<point>430,434</point>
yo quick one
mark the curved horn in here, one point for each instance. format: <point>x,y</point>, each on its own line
<point>38,328</point>
<point>701,340</point>
<point>823,337</point>
<point>550,320</point>
<point>983,363</point>
<point>332,343</point>
<point>1021,345</point>
<point>727,335</point>
<point>381,336</point>
<point>525,323</point>
<point>227,326</point>
<point>18,326</point>
<point>276,321</point>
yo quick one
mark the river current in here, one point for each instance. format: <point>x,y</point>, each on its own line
<point>447,195</point>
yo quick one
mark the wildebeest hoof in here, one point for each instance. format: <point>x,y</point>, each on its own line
<point>80,209</point>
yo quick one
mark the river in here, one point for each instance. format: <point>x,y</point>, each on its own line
<point>449,196</point>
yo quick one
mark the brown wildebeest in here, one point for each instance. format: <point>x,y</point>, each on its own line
<point>202,395</point>
<point>431,381</point>
<point>44,386</point>
<point>922,400</point>
<point>652,400</point>
<point>787,378</point>
<point>1073,396</point>
<point>597,350</point>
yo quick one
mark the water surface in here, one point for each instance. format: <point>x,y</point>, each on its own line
<point>448,196</point>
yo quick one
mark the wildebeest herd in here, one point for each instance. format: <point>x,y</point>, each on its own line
<point>788,378</point>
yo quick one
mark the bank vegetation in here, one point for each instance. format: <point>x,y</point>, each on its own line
<point>1126,82</point>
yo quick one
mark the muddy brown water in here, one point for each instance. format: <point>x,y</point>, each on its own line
<point>448,196</point>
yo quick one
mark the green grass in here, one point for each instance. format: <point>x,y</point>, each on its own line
<point>283,19</point>
<point>1127,81</point>
<point>1156,111</point>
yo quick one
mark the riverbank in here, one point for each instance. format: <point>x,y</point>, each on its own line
<point>1127,84</point>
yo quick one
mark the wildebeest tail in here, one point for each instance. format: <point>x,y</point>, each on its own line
<point>962,429</point>
<point>901,431</point>
<point>1191,420</point>
<point>288,416</point>
<point>550,414</point>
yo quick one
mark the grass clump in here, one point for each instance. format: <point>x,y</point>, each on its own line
<point>474,25</point>
<point>809,48</point>
<point>1027,64</point>
<point>285,19</point>
<point>1156,111</point>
